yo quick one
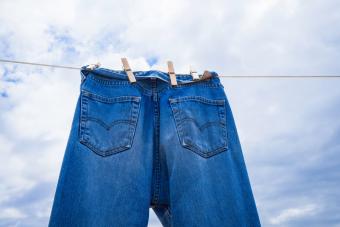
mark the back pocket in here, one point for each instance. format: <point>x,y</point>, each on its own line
<point>108,124</point>
<point>200,124</point>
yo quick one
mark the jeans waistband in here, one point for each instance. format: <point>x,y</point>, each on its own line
<point>121,74</point>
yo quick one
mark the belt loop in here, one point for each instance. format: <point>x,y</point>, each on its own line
<point>83,73</point>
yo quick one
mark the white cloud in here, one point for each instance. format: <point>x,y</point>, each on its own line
<point>293,213</point>
<point>11,213</point>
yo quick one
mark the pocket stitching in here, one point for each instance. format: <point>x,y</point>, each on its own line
<point>198,98</point>
<point>134,113</point>
<point>177,113</point>
<point>104,99</point>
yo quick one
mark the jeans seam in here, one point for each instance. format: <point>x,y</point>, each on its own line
<point>155,196</point>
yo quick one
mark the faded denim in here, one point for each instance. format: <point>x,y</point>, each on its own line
<point>133,146</point>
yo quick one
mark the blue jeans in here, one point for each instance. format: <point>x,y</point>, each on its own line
<point>146,144</point>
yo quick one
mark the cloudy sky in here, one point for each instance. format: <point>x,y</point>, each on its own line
<point>289,128</point>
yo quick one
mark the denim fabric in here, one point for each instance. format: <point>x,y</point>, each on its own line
<point>133,146</point>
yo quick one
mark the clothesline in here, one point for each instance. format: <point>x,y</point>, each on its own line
<point>244,76</point>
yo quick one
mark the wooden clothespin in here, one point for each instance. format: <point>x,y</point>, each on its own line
<point>194,74</point>
<point>172,73</point>
<point>206,75</point>
<point>128,70</point>
<point>93,66</point>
